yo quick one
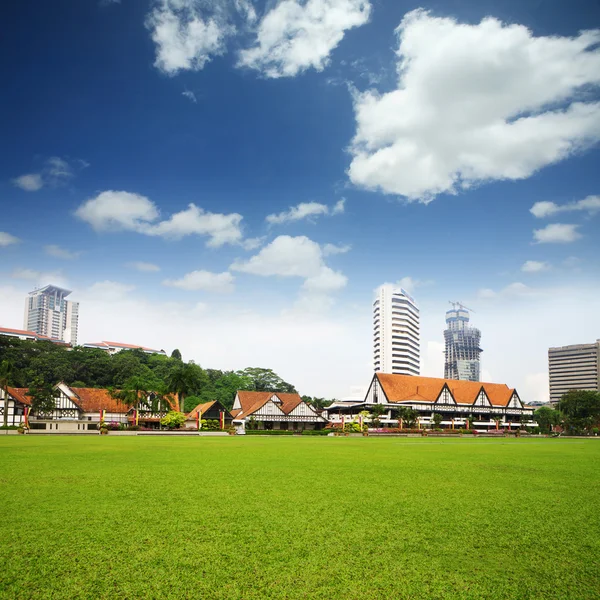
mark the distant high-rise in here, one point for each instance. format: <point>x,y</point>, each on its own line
<point>396,334</point>
<point>462,345</point>
<point>48,313</point>
<point>573,368</point>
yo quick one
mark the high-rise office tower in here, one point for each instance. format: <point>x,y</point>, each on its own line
<point>396,332</point>
<point>48,313</point>
<point>462,345</point>
<point>573,368</point>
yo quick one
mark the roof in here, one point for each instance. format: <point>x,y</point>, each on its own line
<point>402,388</point>
<point>20,395</point>
<point>105,344</point>
<point>252,401</point>
<point>95,400</point>
<point>33,334</point>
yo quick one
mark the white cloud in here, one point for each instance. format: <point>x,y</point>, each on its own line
<point>285,256</point>
<point>305,210</point>
<point>58,168</point>
<point>144,267</point>
<point>58,252</point>
<point>326,281</point>
<point>185,40</point>
<point>220,228</point>
<point>534,266</point>
<point>117,210</point>
<point>55,172</point>
<point>40,277</point>
<point>330,249</point>
<point>301,257</point>
<point>109,291</point>
<point>6,239</point>
<point>253,243</point>
<point>203,280</point>
<point>474,103</point>
<point>339,207</point>
<point>31,182</point>
<point>513,290</point>
<point>556,233</point>
<point>189,95</point>
<point>591,205</point>
<point>295,36</point>
<point>246,10</point>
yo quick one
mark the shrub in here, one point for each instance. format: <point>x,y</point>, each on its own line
<point>10,427</point>
<point>173,420</point>
<point>316,431</point>
<point>269,432</point>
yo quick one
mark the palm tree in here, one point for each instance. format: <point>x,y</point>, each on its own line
<point>135,388</point>
<point>5,372</point>
<point>180,382</point>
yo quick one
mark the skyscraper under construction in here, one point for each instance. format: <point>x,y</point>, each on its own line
<point>462,345</point>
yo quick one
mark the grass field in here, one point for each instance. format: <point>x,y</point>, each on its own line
<point>156,517</point>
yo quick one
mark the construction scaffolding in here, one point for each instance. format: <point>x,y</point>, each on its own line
<point>462,345</point>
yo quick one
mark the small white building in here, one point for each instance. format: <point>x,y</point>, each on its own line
<point>114,347</point>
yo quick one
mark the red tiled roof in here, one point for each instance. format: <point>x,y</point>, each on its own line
<point>20,395</point>
<point>132,346</point>
<point>95,400</point>
<point>17,331</point>
<point>202,407</point>
<point>252,401</point>
<point>401,388</point>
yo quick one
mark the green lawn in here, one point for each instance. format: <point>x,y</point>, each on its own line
<point>278,517</point>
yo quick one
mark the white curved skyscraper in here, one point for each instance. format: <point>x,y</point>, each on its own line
<point>396,332</point>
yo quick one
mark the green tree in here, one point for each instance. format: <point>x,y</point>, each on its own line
<point>408,416</point>
<point>136,389</point>
<point>43,398</point>
<point>580,409</point>
<point>176,354</point>
<point>266,380</point>
<point>377,411</point>
<point>437,420</point>
<point>185,381</point>
<point>546,417</point>
<point>5,373</point>
<point>173,420</point>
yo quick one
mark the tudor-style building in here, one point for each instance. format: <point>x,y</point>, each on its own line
<point>16,402</point>
<point>210,411</point>
<point>455,400</point>
<point>274,410</point>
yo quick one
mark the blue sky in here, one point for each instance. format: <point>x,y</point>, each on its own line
<point>117,116</point>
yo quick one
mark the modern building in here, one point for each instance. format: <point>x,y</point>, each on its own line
<point>48,313</point>
<point>488,405</point>
<point>573,368</point>
<point>462,345</point>
<point>114,347</point>
<point>274,410</point>
<point>396,332</point>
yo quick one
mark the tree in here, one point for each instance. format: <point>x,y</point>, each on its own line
<point>546,417</point>
<point>135,389</point>
<point>189,379</point>
<point>173,420</point>
<point>437,420</point>
<point>176,354</point>
<point>580,409</point>
<point>266,380</point>
<point>43,398</point>
<point>5,373</point>
<point>408,416</point>
<point>376,411</point>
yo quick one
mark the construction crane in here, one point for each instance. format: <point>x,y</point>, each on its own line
<point>460,305</point>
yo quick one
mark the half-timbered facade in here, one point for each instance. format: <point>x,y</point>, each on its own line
<point>488,405</point>
<point>15,402</point>
<point>274,410</point>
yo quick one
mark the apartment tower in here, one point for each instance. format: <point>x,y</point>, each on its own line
<point>48,313</point>
<point>462,345</point>
<point>573,368</point>
<point>396,333</point>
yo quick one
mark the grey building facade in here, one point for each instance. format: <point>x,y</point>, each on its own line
<point>463,351</point>
<point>574,367</point>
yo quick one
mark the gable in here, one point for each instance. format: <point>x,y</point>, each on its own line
<point>237,405</point>
<point>482,399</point>
<point>303,410</point>
<point>268,408</point>
<point>515,401</point>
<point>375,393</point>
<point>445,396</point>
